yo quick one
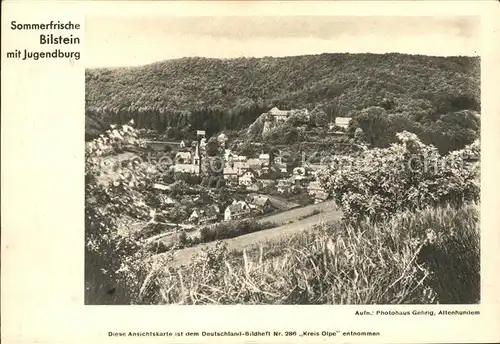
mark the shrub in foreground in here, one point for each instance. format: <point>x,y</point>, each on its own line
<point>114,264</point>
<point>431,256</point>
<point>408,175</point>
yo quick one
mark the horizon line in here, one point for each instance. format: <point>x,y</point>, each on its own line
<point>271,56</point>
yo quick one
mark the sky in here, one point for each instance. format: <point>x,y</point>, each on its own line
<point>112,41</point>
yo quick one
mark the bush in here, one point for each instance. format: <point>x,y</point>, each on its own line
<point>312,213</point>
<point>158,246</point>
<point>151,229</point>
<point>230,229</point>
<point>114,264</point>
<point>407,175</point>
<point>174,241</point>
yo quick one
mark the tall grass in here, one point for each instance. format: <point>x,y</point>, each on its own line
<point>429,256</point>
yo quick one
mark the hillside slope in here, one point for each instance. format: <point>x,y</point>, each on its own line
<point>231,93</point>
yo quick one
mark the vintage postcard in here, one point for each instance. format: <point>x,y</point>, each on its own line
<point>250,171</point>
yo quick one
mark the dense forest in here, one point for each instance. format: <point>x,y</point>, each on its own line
<point>177,96</point>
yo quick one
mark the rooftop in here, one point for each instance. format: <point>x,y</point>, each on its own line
<point>238,207</point>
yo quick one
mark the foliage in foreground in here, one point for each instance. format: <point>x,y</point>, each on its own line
<point>112,272</point>
<point>408,175</point>
<point>431,256</point>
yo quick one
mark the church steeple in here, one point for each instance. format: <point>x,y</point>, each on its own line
<point>196,158</point>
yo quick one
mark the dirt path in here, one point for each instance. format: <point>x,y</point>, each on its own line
<point>184,256</point>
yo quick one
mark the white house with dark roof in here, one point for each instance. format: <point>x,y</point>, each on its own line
<point>237,210</point>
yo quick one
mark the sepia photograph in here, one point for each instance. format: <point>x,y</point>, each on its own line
<point>282,160</point>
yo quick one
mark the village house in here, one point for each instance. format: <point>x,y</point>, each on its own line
<point>183,158</point>
<point>262,203</point>
<point>298,180</point>
<point>222,139</point>
<point>282,167</point>
<point>205,215</point>
<point>234,165</point>
<point>314,187</point>
<point>266,182</point>
<point>256,165</point>
<point>203,144</point>
<point>299,171</point>
<point>231,173</point>
<point>247,179</point>
<point>316,190</point>
<point>283,185</point>
<point>237,210</point>
<point>186,162</point>
<point>161,187</point>
<point>167,201</point>
<point>264,159</point>
<point>342,122</point>
<point>320,196</point>
<point>277,114</point>
<point>240,163</point>
<point>254,187</point>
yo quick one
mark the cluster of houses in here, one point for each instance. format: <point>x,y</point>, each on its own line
<point>253,205</point>
<point>254,174</point>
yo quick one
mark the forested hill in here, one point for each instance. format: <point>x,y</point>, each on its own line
<point>217,94</point>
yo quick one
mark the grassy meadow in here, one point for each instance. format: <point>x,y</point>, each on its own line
<point>429,256</point>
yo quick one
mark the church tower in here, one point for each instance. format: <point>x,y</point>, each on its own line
<point>196,157</point>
